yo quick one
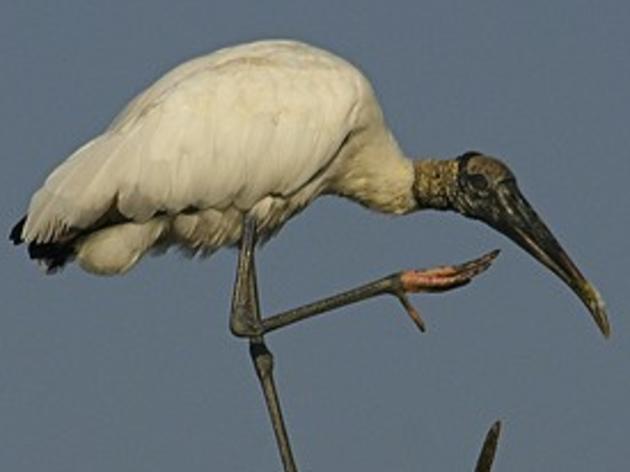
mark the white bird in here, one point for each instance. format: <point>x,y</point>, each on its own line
<point>262,128</point>
<point>259,129</point>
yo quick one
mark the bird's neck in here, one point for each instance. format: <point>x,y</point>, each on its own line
<point>435,182</point>
<point>374,172</point>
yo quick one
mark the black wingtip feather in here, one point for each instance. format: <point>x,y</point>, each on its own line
<point>16,232</point>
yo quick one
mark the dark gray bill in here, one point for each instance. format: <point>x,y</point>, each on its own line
<point>518,220</point>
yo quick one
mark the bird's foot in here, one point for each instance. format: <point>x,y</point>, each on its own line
<point>447,277</point>
<point>438,279</point>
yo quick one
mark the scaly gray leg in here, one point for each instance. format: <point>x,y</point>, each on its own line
<point>245,318</point>
<point>437,279</point>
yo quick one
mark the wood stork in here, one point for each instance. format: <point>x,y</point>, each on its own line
<point>225,148</point>
<point>259,129</point>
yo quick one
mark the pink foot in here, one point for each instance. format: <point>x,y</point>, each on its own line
<point>438,279</point>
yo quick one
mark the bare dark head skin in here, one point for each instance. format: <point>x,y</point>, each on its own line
<point>484,188</point>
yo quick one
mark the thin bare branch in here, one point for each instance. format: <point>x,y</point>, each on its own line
<point>489,449</point>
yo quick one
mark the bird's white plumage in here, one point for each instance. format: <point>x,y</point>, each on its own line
<point>262,127</point>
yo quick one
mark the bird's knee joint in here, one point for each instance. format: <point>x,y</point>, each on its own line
<point>244,327</point>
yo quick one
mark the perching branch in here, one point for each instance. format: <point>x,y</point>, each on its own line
<point>489,449</point>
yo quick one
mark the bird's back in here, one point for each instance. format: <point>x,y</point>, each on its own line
<point>248,128</point>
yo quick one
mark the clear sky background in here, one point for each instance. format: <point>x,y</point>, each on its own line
<point>140,373</point>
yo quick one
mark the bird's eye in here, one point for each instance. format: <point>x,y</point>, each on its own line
<point>478,182</point>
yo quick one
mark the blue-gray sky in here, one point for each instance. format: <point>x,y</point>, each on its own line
<point>139,373</point>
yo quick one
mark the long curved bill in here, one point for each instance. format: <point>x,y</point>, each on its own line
<point>518,220</point>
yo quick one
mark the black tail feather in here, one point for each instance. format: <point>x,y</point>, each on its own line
<point>16,232</point>
<point>55,255</point>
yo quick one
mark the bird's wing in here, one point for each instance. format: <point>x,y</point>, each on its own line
<point>213,136</point>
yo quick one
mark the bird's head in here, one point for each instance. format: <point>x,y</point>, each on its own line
<point>484,188</point>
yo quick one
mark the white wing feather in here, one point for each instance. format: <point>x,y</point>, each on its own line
<point>221,131</point>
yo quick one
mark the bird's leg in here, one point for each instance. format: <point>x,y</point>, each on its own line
<point>245,314</point>
<point>437,279</point>
<point>245,321</point>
